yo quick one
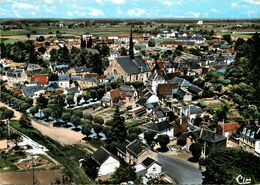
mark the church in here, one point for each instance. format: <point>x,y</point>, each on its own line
<point>131,68</point>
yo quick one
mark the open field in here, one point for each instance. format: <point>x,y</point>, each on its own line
<point>25,177</point>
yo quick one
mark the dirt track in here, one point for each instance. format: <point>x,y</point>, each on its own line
<point>62,135</point>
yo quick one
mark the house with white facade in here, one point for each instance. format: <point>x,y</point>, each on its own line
<point>154,80</point>
<point>106,161</point>
<point>149,168</point>
<point>64,81</point>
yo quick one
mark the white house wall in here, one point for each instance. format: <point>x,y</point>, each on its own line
<point>154,169</point>
<point>109,166</point>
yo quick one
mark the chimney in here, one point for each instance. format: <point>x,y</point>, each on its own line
<point>181,116</point>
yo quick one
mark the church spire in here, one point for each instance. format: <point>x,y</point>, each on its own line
<point>131,46</point>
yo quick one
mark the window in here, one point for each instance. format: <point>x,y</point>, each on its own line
<point>154,169</point>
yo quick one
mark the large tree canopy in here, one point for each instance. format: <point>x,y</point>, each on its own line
<point>224,165</point>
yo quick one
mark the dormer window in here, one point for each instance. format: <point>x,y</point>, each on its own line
<point>252,135</point>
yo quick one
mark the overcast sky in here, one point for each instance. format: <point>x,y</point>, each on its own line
<point>130,9</point>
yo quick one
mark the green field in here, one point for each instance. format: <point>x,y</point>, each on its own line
<point>8,40</point>
<point>76,31</point>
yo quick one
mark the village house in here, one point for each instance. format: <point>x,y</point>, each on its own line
<point>33,91</point>
<point>79,71</point>
<point>227,129</point>
<point>64,81</point>
<point>135,152</point>
<point>149,168</point>
<point>207,138</point>
<point>161,128</point>
<point>154,80</point>
<point>249,139</point>
<point>107,162</point>
<point>41,79</point>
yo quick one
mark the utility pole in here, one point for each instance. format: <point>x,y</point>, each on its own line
<point>33,177</point>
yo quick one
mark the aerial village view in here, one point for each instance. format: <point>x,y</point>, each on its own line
<point>129,92</point>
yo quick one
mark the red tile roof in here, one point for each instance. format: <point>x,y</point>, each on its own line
<point>166,89</point>
<point>42,79</point>
<point>116,93</point>
<point>229,127</point>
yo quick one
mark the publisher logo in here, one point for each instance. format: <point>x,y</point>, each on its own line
<point>243,180</point>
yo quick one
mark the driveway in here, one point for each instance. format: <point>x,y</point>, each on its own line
<point>181,172</point>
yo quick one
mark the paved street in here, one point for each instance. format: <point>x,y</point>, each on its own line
<point>181,172</point>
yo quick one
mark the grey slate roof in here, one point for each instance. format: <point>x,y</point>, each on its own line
<point>181,81</point>
<point>194,89</point>
<point>101,155</point>
<point>135,66</point>
<point>159,127</point>
<point>148,162</point>
<point>136,147</point>
<point>207,135</point>
<point>30,90</point>
<point>64,77</point>
<point>194,109</point>
<point>81,69</point>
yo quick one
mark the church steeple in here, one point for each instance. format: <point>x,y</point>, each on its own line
<point>131,46</point>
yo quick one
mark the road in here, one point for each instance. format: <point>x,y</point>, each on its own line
<point>181,172</point>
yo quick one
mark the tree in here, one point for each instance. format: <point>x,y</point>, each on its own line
<point>89,43</point>
<point>100,93</point>
<point>163,140</point>
<point>40,39</point>
<point>70,100</point>
<point>79,97</point>
<point>179,48</point>
<point>82,43</point>
<point>75,120</point>
<point>78,113</point>
<point>132,136</point>
<point>93,94</point>
<point>86,130</point>
<point>97,128</point>
<point>151,43</point>
<point>124,173</point>
<point>123,51</point>
<point>227,38</point>
<point>118,130</point>
<point>97,64</point>
<point>15,137</point>
<point>134,130</point>
<point>90,167</point>
<point>8,114</point>
<point>25,121</point>
<point>66,116</point>
<point>99,120</point>
<point>24,107</point>
<point>88,116</point>
<point>224,165</point>
<point>198,121</point>
<point>195,149</point>
<point>137,84</point>
<point>47,112</point>
<point>33,110</point>
<point>149,137</point>
<point>41,102</point>
<point>28,35</point>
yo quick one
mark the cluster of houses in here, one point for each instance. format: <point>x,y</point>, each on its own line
<point>166,99</point>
